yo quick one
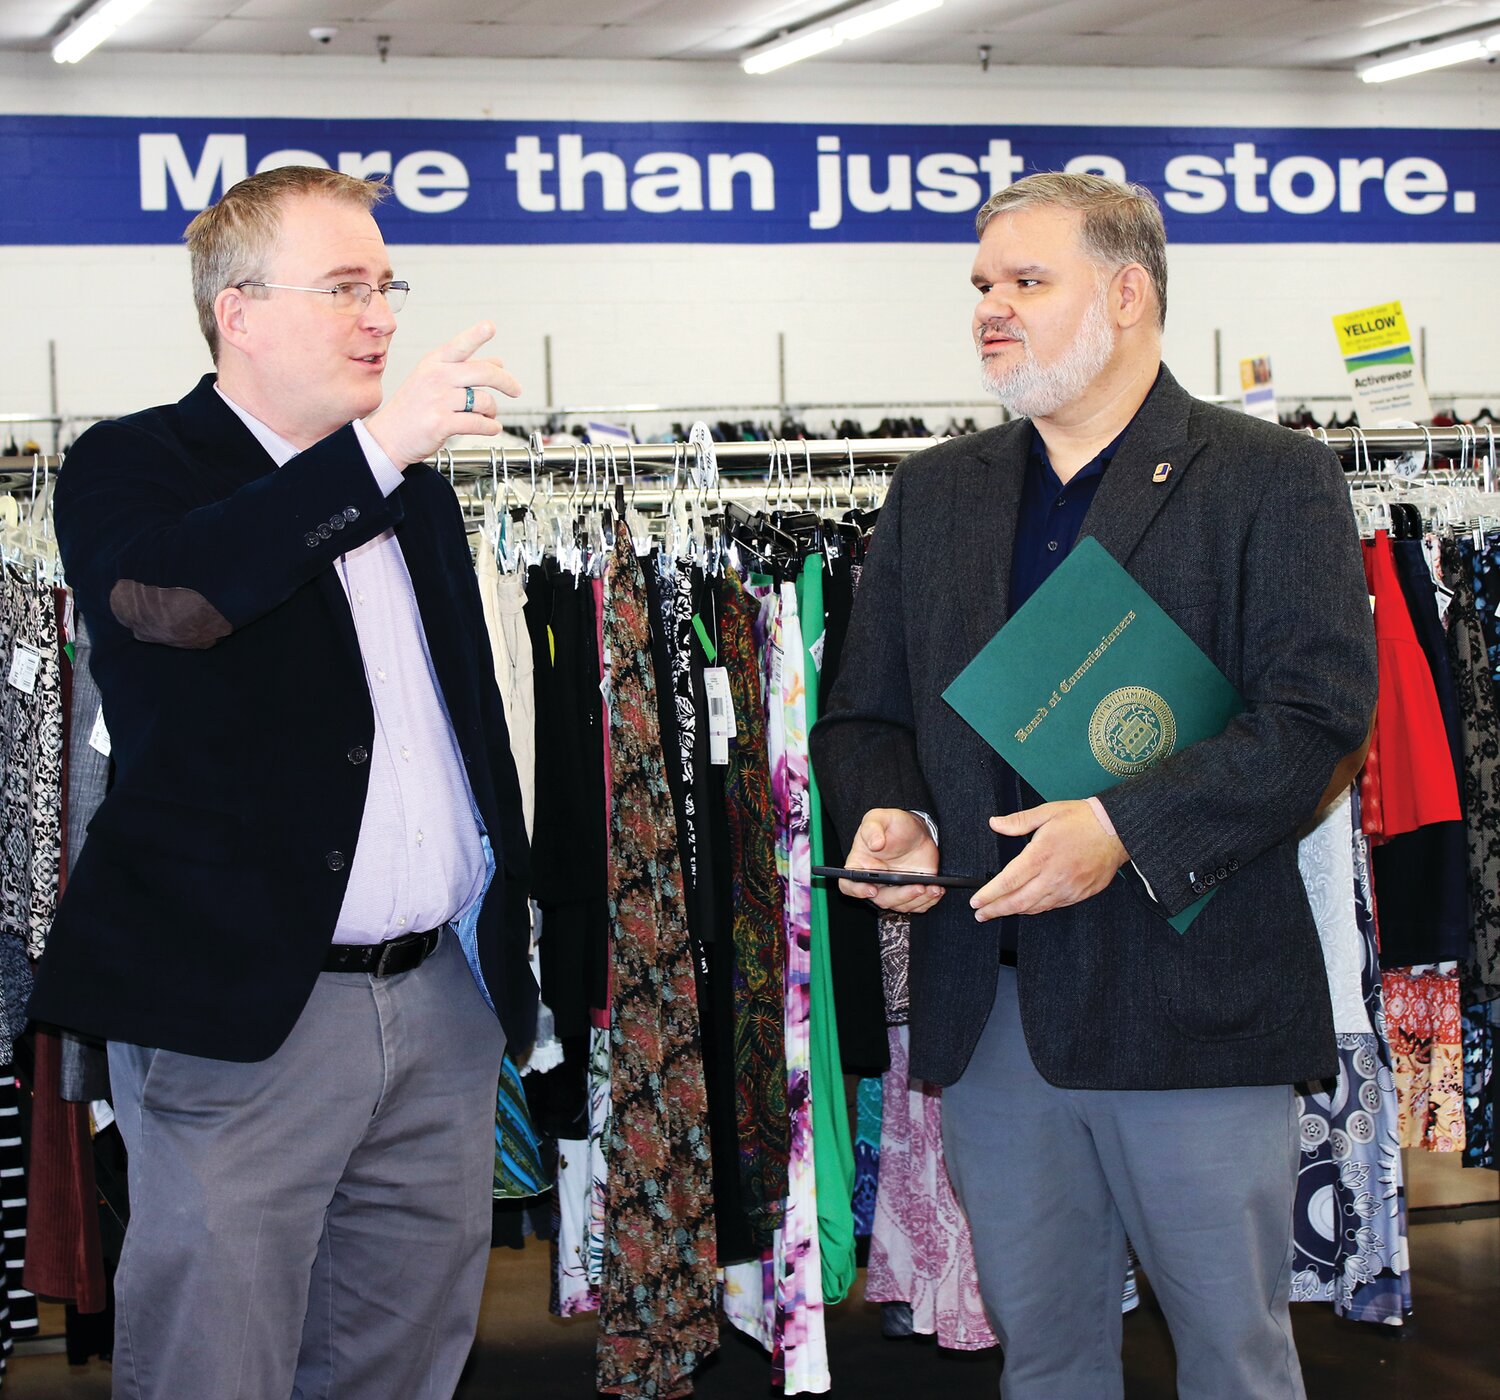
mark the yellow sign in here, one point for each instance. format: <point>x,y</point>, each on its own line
<point>1374,328</point>
<point>1255,373</point>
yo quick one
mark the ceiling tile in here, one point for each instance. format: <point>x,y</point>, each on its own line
<point>451,11</point>
<point>624,41</point>
<point>1211,19</point>
<point>1076,16</point>
<point>1155,33</point>
<point>601,12</point>
<point>319,12</point>
<point>762,17</point>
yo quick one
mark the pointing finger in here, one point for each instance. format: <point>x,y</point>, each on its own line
<point>465,343</point>
<point>1021,823</point>
<point>491,374</point>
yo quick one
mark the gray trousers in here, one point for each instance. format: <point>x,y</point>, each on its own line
<point>315,1225</point>
<point>1052,1180</point>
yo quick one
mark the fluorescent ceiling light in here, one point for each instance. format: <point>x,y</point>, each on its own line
<point>854,23</point>
<point>94,26</point>
<point>1424,60</point>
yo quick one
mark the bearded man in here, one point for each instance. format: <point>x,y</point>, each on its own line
<point>1106,1076</point>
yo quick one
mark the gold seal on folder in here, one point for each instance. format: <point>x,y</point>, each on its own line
<point>1131,728</point>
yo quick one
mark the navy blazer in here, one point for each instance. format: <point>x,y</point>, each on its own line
<point>1243,532</point>
<point>204,901</point>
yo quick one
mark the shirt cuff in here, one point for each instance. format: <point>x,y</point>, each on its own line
<point>928,823</point>
<point>1144,881</point>
<point>1109,826</point>
<point>386,473</point>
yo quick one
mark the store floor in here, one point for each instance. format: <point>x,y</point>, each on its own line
<point>1451,1349</point>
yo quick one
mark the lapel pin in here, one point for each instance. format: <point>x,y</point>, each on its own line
<point>1162,472</point>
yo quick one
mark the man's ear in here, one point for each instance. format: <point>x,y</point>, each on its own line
<point>229,316</point>
<point>1132,296</point>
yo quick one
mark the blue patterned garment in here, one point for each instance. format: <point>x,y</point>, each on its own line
<point>1479,1066</point>
<point>1484,565</point>
<point>518,1159</point>
<point>1350,1226</point>
<point>869,1103</point>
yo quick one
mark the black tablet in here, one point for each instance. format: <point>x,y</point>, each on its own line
<point>900,877</point>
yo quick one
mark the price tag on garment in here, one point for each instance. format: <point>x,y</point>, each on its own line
<point>721,725</point>
<point>816,651</point>
<point>701,440</point>
<point>24,665</point>
<point>101,1115</point>
<point>99,735</point>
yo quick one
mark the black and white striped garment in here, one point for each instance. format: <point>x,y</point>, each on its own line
<point>18,1319</point>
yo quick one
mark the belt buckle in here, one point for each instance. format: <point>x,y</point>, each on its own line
<point>387,950</point>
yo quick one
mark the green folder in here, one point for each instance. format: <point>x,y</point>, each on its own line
<point>1091,682</point>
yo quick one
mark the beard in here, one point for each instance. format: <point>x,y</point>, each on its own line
<point>1034,390</point>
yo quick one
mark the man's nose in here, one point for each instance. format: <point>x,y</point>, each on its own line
<point>376,315</point>
<point>992,307</point>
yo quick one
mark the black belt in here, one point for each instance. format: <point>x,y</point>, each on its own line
<point>383,959</point>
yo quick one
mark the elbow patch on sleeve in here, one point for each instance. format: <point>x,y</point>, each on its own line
<point>173,617</point>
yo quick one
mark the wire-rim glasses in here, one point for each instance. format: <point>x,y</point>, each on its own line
<point>348,298</point>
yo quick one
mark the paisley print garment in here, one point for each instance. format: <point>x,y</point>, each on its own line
<point>657,1317</point>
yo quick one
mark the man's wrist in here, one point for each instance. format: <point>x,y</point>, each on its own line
<point>928,822</point>
<point>386,473</point>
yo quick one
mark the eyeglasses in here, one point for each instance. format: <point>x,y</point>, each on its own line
<point>349,298</point>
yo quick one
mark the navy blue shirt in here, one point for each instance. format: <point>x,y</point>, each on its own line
<point>1050,517</point>
<point>1047,527</point>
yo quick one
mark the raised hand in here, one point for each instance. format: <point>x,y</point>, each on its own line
<point>447,393</point>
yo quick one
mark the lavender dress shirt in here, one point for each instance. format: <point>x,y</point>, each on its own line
<point>420,860</point>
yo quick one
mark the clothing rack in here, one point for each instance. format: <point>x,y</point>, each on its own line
<point>826,456</point>
<point>823,457</point>
<point>1463,443</point>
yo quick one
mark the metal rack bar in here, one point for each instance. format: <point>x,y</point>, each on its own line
<point>732,410</point>
<point>1395,442</point>
<point>825,456</point>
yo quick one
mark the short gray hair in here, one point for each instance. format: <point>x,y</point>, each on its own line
<point>230,241</point>
<point>1121,223</point>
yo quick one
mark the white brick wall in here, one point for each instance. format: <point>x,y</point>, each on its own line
<point>698,324</point>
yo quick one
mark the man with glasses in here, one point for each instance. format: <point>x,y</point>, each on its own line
<point>300,916</point>
<point>1106,1076</point>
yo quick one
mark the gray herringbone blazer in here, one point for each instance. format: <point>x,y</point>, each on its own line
<point>1250,544</point>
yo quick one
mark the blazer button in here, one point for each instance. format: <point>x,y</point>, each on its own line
<point>358,754</point>
<point>351,514</point>
<point>334,860</point>
<point>1223,872</point>
<point>1198,887</point>
<point>1209,881</point>
<point>324,532</point>
<point>312,539</point>
<point>337,521</point>
<point>1234,864</point>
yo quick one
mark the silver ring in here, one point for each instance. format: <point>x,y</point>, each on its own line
<point>469,399</point>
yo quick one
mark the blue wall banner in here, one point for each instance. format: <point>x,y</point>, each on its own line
<point>137,180</point>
